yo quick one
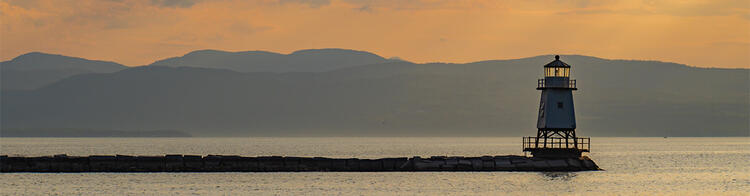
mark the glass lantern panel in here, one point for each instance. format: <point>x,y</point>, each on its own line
<point>557,72</point>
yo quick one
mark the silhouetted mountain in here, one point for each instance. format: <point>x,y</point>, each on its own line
<point>33,70</point>
<point>615,98</point>
<point>315,60</point>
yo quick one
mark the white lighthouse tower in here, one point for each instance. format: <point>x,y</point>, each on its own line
<point>556,124</point>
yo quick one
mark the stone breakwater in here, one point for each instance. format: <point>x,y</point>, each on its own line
<point>225,163</point>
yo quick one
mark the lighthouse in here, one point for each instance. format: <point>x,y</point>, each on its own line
<point>556,122</point>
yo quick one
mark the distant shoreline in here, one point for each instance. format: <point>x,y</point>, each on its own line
<point>89,133</point>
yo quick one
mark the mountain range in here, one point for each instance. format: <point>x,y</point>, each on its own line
<point>34,70</point>
<point>318,60</point>
<point>336,92</point>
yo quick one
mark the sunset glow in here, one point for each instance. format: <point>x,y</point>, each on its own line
<point>704,33</point>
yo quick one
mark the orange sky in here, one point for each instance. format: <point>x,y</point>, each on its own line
<point>704,33</point>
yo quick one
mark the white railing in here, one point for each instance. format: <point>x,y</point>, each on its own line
<point>542,84</point>
<point>581,143</point>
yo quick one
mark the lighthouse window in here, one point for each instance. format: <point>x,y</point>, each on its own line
<point>559,105</point>
<point>541,109</point>
<point>556,72</point>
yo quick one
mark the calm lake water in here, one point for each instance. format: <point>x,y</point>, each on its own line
<point>658,166</point>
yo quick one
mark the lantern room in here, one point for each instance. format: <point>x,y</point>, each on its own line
<point>557,68</point>
<point>556,75</point>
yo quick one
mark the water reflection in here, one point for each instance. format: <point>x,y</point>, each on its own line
<point>564,176</point>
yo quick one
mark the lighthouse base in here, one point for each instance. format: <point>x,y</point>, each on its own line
<point>556,147</point>
<point>555,152</point>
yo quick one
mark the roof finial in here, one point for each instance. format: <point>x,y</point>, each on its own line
<point>557,57</point>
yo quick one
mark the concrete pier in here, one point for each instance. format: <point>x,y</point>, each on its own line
<point>229,163</point>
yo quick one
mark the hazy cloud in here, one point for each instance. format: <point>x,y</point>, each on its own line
<point>174,3</point>
<point>364,8</point>
<point>311,3</point>
<point>246,28</point>
<point>745,45</point>
<point>419,4</point>
<point>659,7</point>
<point>26,4</point>
<point>586,11</point>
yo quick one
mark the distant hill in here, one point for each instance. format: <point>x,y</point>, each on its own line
<point>495,98</point>
<point>314,60</point>
<point>34,70</point>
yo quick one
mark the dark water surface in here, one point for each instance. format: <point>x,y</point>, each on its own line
<point>671,166</point>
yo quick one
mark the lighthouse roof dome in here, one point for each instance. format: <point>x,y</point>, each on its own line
<point>557,63</point>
